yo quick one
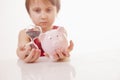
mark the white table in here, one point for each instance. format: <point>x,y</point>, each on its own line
<point>102,65</point>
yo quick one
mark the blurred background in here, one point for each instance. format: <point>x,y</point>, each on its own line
<point>93,25</point>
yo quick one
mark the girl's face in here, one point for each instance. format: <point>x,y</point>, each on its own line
<point>42,13</point>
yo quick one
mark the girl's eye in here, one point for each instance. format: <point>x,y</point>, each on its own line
<point>48,10</point>
<point>37,10</point>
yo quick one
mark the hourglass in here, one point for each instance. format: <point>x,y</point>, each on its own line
<point>33,32</point>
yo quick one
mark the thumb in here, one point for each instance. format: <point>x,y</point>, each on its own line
<point>46,54</point>
<point>71,45</point>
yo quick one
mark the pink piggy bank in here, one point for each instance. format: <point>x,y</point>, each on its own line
<point>54,39</point>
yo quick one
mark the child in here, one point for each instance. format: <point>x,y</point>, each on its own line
<point>42,13</point>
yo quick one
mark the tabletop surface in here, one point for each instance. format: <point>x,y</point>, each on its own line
<point>104,65</point>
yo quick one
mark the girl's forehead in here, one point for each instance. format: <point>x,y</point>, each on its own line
<point>38,2</point>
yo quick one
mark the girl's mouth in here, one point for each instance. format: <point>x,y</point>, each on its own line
<point>43,23</point>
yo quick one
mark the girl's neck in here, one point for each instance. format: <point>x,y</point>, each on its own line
<point>46,29</point>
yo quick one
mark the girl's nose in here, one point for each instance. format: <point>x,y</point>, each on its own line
<point>43,15</point>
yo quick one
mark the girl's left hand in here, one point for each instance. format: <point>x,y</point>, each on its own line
<point>59,55</point>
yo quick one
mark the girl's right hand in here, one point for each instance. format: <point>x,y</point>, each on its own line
<point>27,54</point>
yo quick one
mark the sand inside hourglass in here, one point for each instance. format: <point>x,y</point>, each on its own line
<point>33,33</point>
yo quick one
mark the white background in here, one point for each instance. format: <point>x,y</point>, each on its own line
<point>93,25</point>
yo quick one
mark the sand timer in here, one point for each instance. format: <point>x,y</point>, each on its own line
<point>33,32</point>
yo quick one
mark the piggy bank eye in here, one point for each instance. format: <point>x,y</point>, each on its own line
<point>57,35</point>
<point>49,37</point>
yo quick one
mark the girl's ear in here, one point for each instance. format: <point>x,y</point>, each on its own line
<point>42,36</point>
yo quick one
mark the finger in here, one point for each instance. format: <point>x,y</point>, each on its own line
<point>36,56</point>
<point>66,52</point>
<point>21,47</point>
<point>28,46</point>
<point>60,54</point>
<point>55,57</point>
<point>23,51</point>
<point>22,54</point>
<point>33,46</point>
<point>28,50</point>
<point>30,56</point>
<point>46,55</point>
<point>71,45</point>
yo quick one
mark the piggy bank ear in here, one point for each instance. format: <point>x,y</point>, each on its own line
<point>62,30</point>
<point>42,36</point>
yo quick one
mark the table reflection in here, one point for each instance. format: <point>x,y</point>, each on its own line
<point>47,70</point>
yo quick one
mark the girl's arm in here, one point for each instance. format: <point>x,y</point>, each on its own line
<point>25,52</point>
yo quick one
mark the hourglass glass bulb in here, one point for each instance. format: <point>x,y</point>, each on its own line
<point>33,32</point>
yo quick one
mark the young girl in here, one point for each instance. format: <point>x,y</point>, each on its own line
<point>43,14</point>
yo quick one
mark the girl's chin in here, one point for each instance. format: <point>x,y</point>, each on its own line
<point>44,27</point>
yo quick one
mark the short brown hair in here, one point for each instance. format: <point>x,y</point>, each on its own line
<point>53,2</point>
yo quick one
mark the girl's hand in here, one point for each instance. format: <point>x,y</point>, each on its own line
<point>59,55</point>
<point>27,54</point>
